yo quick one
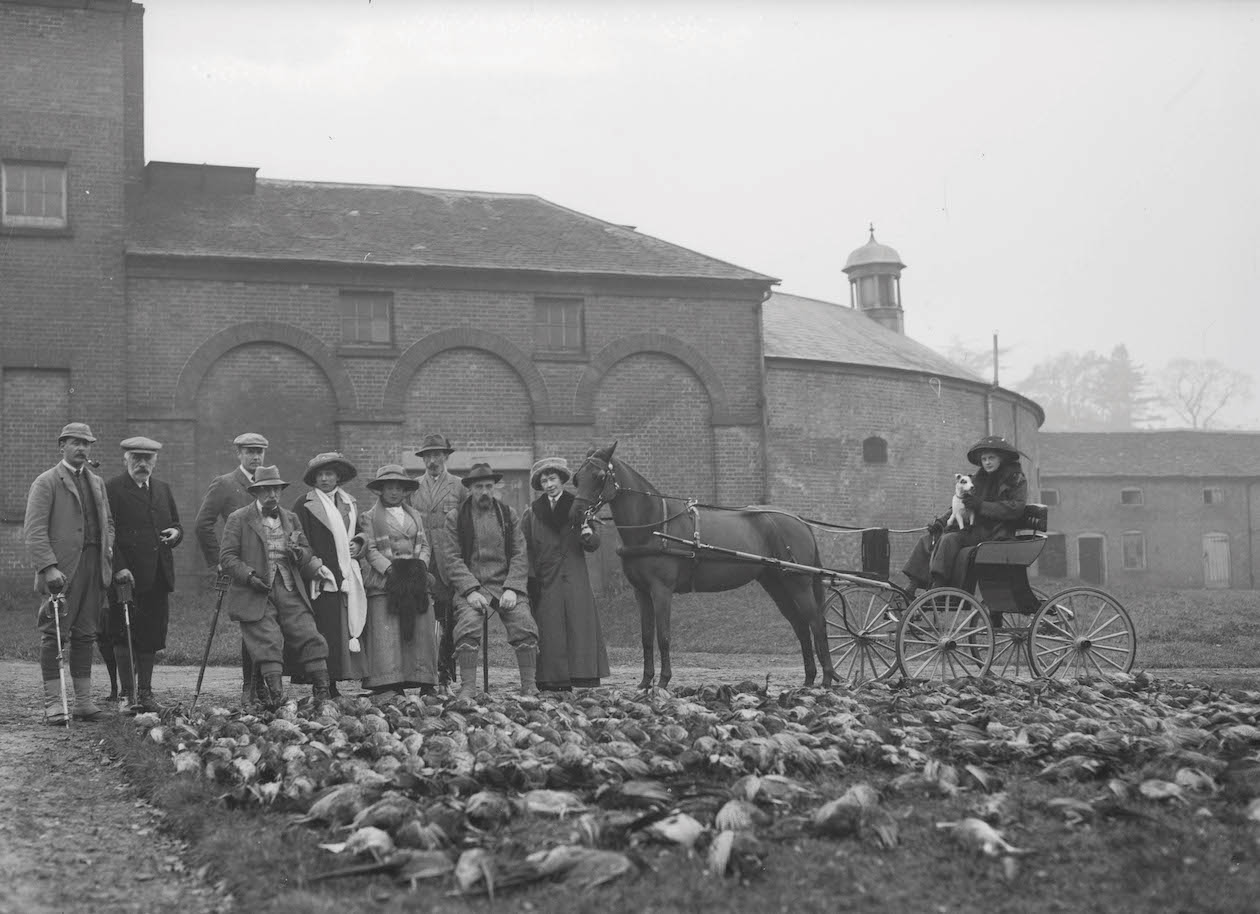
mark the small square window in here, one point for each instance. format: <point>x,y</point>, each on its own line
<point>558,324</point>
<point>1131,497</point>
<point>1050,497</point>
<point>1133,549</point>
<point>367,318</point>
<point>875,450</point>
<point>33,194</point>
<point>1214,495</point>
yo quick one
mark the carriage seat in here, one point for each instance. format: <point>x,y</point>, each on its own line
<point>1030,537</point>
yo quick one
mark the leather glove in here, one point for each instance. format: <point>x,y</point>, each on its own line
<point>971,501</point>
<point>936,528</point>
<point>259,584</point>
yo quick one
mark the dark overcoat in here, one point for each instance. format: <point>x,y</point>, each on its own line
<point>225,494</point>
<point>139,517</point>
<point>570,640</point>
<point>329,607</point>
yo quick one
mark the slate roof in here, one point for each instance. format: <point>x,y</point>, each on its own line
<point>416,226</point>
<point>1164,452</point>
<point>795,327</point>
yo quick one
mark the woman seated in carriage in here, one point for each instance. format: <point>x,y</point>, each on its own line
<point>997,505</point>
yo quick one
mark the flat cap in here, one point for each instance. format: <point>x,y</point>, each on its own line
<point>77,430</point>
<point>250,439</point>
<point>141,444</point>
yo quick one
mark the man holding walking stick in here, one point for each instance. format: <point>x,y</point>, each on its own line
<point>148,528</point>
<point>69,535</point>
<point>483,554</point>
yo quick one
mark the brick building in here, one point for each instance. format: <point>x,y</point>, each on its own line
<point>193,302</point>
<point>1151,509</point>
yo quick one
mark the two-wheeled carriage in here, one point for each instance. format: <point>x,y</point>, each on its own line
<point>995,623</point>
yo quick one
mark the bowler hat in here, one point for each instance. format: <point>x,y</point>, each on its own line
<point>330,460</point>
<point>250,439</point>
<point>995,443</point>
<point>140,445</point>
<point>392,472</point>
<point>266,476</point>
<point>479,472</point>
<point>435,443</point>
<point>548,465</point>
<point>77,430</point>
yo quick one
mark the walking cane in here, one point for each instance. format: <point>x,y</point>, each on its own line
<point>125,594</point>
<point>56,600</point>
<point>221,584</point>
<point>485,648</point>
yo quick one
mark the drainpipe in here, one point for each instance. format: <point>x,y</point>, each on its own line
<point>758,312</point>
<point>988,396</point>
<point>1251,555</point>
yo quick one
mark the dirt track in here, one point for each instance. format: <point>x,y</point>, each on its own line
<point>75,840</point>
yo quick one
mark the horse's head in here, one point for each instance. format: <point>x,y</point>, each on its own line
<point>595,482</point>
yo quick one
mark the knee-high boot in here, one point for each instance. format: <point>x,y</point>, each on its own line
<point>527,661</point>
<point>467,673</point>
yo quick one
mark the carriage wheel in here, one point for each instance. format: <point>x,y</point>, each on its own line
<point>861,632</point>
<point>1012,647</point>
<point>945,634</point>
<point>1082,632</point>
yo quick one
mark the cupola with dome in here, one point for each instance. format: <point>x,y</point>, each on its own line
<point>874,272</point>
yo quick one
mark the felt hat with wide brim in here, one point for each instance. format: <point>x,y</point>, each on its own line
<point>393,472</point>
<point>479,472</point>
<point>267,476</point>
<point>556,465</point>
<point>995,443</point>
<point>435,443</point>
<point>330,460</point>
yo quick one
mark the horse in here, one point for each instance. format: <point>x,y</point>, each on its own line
<point>657,569</point>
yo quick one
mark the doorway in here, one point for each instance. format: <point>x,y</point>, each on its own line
<point>1091,558</point>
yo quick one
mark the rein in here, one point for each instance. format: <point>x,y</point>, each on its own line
<point>610,482</point>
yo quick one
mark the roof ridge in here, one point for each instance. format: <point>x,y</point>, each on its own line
<point>357,185</point>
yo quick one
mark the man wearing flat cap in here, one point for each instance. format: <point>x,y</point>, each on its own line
<point>69,535</point>
<point>147,528</point>
<point>271,564</point>
<point>485,559</point>
<point>226,494</point>
<point>439,492</point>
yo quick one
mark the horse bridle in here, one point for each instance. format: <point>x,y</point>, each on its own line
<point>609,484</point>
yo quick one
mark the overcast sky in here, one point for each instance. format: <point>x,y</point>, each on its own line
<point>1070,175</point>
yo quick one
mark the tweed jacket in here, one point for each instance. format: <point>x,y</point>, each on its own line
<point>434,503</point>
<point>225,494</point>
<point>244,550</point>
<point>53,529</point>
<point>382,539</point>
<point>139,517</point>
<point>489,568</point>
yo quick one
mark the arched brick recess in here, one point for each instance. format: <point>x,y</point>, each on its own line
<point>424,349</point>
<point>213,349</point>
<point>614,352</point>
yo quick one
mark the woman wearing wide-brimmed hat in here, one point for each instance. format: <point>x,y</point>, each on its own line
<point>997,503</point>
<point>399,641</point>
<point>571,651</point>
<point>330,519</point>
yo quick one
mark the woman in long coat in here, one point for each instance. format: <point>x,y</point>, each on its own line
<point>330,518</point>
<point>399,640</point>
<point>571,649</point>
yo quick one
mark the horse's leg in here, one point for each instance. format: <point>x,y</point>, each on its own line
<point>647,625</point>
<point>662,600</point>
<point>818,622</point>
<point>787,598</point>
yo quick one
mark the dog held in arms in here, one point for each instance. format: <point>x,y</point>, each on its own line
<point>960,516</point>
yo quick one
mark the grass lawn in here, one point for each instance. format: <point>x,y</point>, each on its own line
<point>1177,629</point>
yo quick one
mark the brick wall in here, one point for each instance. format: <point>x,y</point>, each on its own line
<point>1173,518</point>
<point>62,295</point>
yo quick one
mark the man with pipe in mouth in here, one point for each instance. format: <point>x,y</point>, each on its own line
<point>147,528</point>
<point>69,536</point>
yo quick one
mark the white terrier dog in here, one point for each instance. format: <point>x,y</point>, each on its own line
<point>959,516</point>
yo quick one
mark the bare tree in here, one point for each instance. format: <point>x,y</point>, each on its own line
<point>977,360</point>
<point>1196,390</point>
<point>1069,388</point>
